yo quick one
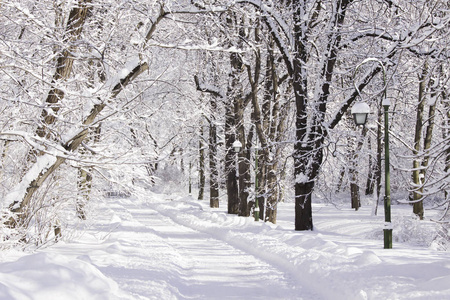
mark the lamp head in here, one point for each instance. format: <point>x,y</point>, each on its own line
<point>237,146</point>
<point>360,110</point>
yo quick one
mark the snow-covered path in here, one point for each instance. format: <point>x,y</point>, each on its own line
<point>197,266</point>
<point>175,247</point>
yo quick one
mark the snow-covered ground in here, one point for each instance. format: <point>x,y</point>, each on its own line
<point>172,247</point>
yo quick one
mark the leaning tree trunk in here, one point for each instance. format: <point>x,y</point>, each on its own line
<point>64,64</point>
<point>47,163</point>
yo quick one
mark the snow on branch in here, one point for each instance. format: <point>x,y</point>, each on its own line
<point>216,91</point>
<point>207,47</point>
<point>42,164</point>
<point>21,194</point>
<point>276,24</point>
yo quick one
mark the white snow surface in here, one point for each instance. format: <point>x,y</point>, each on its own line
<point>176,247</point>
<point>360,108</point>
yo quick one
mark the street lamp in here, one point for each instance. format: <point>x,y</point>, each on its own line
<point>387,184</point>
<point>359,112</point>
<point>237,146</point>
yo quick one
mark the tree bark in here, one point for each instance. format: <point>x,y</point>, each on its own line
<point>64,65</point>
<point>84,187</point>
<point>201,167</point>
<point>370,184</point>
<point>213,171</point>
<point>234,118</point>
<point>244,173</point>
<point>417,174</point>
<point>212,144</point>
<point>230,161</point>
<point>446,102</point>
<point>354,186</point>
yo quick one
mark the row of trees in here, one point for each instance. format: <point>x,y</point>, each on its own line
<point>111,91</point>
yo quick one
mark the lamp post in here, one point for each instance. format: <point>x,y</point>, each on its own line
<point>256,210</point>
<point>387,184</point>
<point>237,146</point>
<point>360,111</point>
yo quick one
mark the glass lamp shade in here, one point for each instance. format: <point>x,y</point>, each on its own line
<point>360,118</point>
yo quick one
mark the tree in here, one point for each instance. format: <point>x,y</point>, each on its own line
<point>296,34</point>
<point>67,126</point>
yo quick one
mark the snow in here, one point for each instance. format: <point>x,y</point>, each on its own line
<point>175,247</point>
<point>52,276</point>
<point>360,108</point>
<point>124,72</point>
<point>18,192</point>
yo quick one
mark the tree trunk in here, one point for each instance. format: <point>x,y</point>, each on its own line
<point>446,102</point>
<point>303,208</point>
<point>341,179</point>
<point>354,187</point>
<point>230,162</point>
<point>244,172</point>
<point>64,64</point>
<point>274,126</point>
<point>370,184</point>
<point>417,175</point>
<point>354,191</point>
<point>84,188</point>
<point>52,163</point>
<point>272,192</point>
<point>212,144</point>
<point>201,167</point>
<point>234,118</point>
<point>308,147</point>
<point>213,172</point>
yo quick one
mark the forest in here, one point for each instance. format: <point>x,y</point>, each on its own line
<point>247,101</point>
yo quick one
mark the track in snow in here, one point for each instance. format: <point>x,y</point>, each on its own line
<point>153,257</point>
